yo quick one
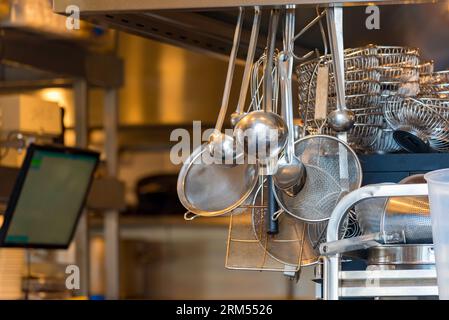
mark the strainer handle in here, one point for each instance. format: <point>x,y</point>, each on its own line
<point>189,216</point>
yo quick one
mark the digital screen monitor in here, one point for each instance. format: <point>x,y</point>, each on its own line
<point>48,197</point>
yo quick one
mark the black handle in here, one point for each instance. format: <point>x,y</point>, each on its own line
<point>272,225</point>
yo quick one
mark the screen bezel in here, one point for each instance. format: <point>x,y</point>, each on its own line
<point>15,195</point>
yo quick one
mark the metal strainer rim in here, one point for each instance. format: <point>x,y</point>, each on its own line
<point>357,161</point>
<point>183,173</point>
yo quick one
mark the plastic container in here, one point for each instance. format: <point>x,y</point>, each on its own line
<point>438,182</point>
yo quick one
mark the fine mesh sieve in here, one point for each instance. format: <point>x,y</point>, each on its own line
<point>332,170</point>
<point>232,185</point>
<point>393,214</point>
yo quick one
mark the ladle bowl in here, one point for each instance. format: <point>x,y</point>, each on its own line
<point>262,135</point>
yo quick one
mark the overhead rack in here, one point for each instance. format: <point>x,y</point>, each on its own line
<point>202,25</point>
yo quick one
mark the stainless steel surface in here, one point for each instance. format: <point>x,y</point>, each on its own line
<point>111,217</point>
<point>263,134</point>
<point>268,67</point>
<point>290,176</point>
<point>340,119</point>
<point>408,255</point>
<point>388,283</point>
<point>324,185</point>
<point>248,65</point>
<point>101,6</point>
<point>360,242</point>
<point>208,28</point>
<point>209,189</point>
<point>332,263</point>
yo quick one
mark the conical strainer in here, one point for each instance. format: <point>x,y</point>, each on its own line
<point>333,170</point>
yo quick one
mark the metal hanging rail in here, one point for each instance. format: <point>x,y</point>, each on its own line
<point>98,6</point>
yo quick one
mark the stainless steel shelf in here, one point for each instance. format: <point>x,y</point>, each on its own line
<point>207,25</point>
<point>102,6</point>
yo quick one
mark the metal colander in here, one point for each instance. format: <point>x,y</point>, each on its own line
<point>408,214</point>
<point>332,170</point>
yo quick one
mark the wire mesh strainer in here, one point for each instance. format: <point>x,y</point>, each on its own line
<point>332,170</point>
<point>232,185</point>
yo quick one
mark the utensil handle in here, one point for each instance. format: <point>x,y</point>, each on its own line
<point>230,73</point>
<point>335,27</point>
<point>268,69</point>
<point>272,222</point>
<point>249,61</point>
<point>284,64</point>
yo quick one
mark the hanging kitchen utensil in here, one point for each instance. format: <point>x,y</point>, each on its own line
<point>263,134</point>
<point>207,188</point>
<point>341,119</point>
<point>290,175</point>
<point>290,246</point>
<point>332,170</point>
<point>238,114</point>
<point>221,146</point>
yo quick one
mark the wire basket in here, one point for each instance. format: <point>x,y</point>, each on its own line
<point>394,56</point>
<point>426,69</point>
<point>435,85</point>
<point>384,142</point>
<point>249,247</point>
<point>362,89</point>
<point>425,118</point>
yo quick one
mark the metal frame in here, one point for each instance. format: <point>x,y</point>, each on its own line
<point>88,6</point>
<point>332,274</point>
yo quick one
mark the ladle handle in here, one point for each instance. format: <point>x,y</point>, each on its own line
<point>271,220</point>
<point>335,29</point>
<point>284,64</point>
<point>230,73</point>
<point>249,61</point>
<point>268,69</point>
